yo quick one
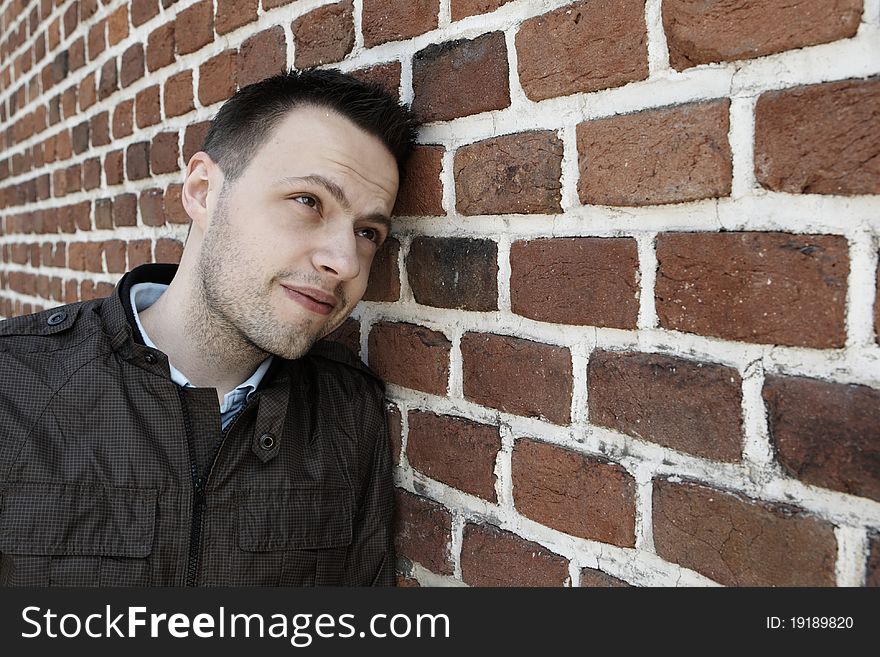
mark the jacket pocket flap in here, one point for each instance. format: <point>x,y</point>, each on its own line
<point>294,519</point>
<point>60,519</point>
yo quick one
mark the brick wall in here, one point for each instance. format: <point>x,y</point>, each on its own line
<point>628,321</point>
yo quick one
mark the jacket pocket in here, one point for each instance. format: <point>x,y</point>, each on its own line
<point>294,536</point>
<point>69,535</point>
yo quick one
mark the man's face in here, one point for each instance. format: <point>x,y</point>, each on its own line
<point>288,247</point>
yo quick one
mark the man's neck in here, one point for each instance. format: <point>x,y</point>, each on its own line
<point>205,351</point>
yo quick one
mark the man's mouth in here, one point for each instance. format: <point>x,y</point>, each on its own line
<point>317,301</point>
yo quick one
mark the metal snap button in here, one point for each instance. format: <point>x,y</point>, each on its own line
<point>56,318</point>
<point>150,358</point>
<point>267,441</point>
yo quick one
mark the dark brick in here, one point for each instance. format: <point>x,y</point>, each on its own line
<point>453,272</point>
<point>160,47</point>
<point>132,67</point>
<point>411,356</point>
<point>193,139</point>
<point>108,82</point>
<point>262,55</point>
<point>591,578</point>
<point>147,109</point>
<point>124,210</point>
<point>143,10</point>
<point>122,119</point>
<point>492,557</point>
<point>423,532</point>
<point>164,153</point>
<point>421,192</point>
<point>384,282</point>
<point>386,76</point>
<point>151,208</point>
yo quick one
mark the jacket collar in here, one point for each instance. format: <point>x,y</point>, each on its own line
<point>116,311</point>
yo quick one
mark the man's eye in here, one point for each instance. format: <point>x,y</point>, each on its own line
<point>371,234</point>
<point>306,200</point>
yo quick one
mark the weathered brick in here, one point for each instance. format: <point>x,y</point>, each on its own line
<point>454,272</point>
<point>97,41</point>
<point>124,210</point>
<point>517,173</point>
<point>160,47</point>
<point>261,56</point>
<point>147,108</point>
<point>348,334</point>
<point>386,76</point>
<point>423,532</point>
<point>193,139</point>
<point>464,8</point>
<point>741,542</point>
<point>114,254</point>
<point>178,94</point>
<point>384,282</point>
<point>572,493</point>
<point>704,32</point>
<point>459,78</point>
<point>456,451</point>
<point>168,250</point>
<point>517,376</point>
<point>689,406</point>
<point>164,153</point>
<point>591,578</point>
<point>826,434</point>
<point>582,47</point>
<point>492,557</point>
<point>107,83</point>
<point>411,356</point>
<point>76,54</point>
<point>173,206</point>
<point>271,4</point>
<point>138,252</point>
<point>820,139</point>
<point>150,205</point>
<point>143,10</point>
<point>103,214</point>
<point>395,429</point>
<point>113,169</point>
<point>99,129</point>
<point>769,288</point>
<point>88,92</point>
<point>122,119</point>
<point>393,20</point>
<point>877,305</point>
<point>117,25</point>
<point>323,35</point>
<point>71,18</point>
<point>79,136</point>
<point>421,192</point>
<point>217,78</point>
<point>68,102</point>
<point>656,156</point>
<point>132,67</point>
<point>194,27</point>
<point>232,14</point>
<point>544,272</point>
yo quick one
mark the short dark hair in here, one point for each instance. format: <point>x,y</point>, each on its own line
<point>245,121</point>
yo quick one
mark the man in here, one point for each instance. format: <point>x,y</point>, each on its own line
<point>189,429</point>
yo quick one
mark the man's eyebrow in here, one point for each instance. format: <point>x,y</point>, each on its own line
<point>336,192</point>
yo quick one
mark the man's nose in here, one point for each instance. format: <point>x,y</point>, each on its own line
<point>336,252</point>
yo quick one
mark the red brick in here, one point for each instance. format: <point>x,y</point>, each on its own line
<point>99,128</point>
<point>194,27</point>
<point>826,434</point>
<point>384,282</point>
<point>386,76</point>
<point>575,494</point>
<point>168,250</point>
<point>656,156</point>
<point>423,532</point>
<point>79,136</point>
<point>323,35</point>
<point>132,67</point>
<point>517,376</point>
<point>393,20</point>
<point>113,167</point>
<point>262,56</point>
<point>68,102</point>
<point>173,207</point>
<point>820,139</point>
<point>454,272</point>
<point>74,178</point>
<point>406,582</point>
<point>456,451</point>
<point>769,288</point>
<point>395,429</point>
<point>138,253</point>
<point>582,47</point>
<point>194,138</point>
<point>164,153</point>
<point>741,542</point>
<point>877,305</point>
<point>492,557</point>
<point>459,78</point>
<point>232,14</point>
<point>71,19</point>
<point>684,405</point>
<point>178,92</point>
<point>143,10</point>
<point>411,356</point>
<point>97,40</point>
<point>114,253</point>
<point>421,192</point>
<point>271,4</point>
<point>703,32</point>
<point>103,214</point>
<point>160,47</point>
<point>147,110</point>
<point>88,92</point>
<point>545,271</point>
<point>591,578</point>
<point>512,174</point>
<point>150,205</point>
<point>122,119</point>
<point>76,54</point>
<point>108,82</point>
<point>124,210</point>
<point>464,8</point>
<point>217,78</point>
<point>117,25</point>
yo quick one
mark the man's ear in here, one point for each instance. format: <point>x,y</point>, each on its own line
<point>203,179</point>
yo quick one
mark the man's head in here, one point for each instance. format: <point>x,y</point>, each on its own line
<point>290,199</point>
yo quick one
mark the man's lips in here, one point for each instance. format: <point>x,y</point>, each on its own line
<point>312,299</point>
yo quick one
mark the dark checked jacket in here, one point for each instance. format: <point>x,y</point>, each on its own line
<point>113,475</point>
